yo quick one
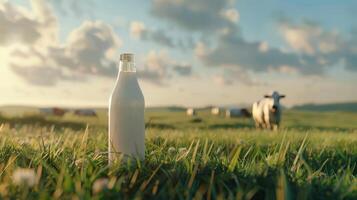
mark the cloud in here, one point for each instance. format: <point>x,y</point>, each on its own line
<point>233,51</point>
<point>183,69</point>
<point>263,47</point>
<point>155,68</point>
<point>232,75</point>
<point>26,27</point>
<point>138,30</point>
<point>88,50</point>
<point>231,15</point>
<point>313,51</point>
<point>158,67</point>
<point>310,38</point>
<point>222,80</point>
<point>327,47</point>
<point>39,75</point>
<point>196,15</point>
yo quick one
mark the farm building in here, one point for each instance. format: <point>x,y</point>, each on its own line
<point>191,112</point>
<point>53,111</point>
<point>85,112</point>
<point>237,112</point>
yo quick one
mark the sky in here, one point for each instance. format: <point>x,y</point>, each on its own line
<point>187,52</point>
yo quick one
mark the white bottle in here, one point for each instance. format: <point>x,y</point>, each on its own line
<point>126,114</point>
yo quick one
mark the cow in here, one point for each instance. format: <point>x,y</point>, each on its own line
<point>267,112</point>
<point>233,112</point>
<point>237,112</point>
<point>85,112</point>
<point>246,113</point>
<point>216,111</point>
<point>191,112</point>
<point>53,111</point>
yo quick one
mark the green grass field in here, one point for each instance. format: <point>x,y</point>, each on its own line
<point>313,156</point>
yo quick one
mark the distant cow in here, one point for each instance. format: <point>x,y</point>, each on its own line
<point>216,111</point>
<point>234,112</point>
<point>191,112</point>
<point>245,113</point>
<point>237,112</point>
<point>267,112</point>
<point>53,111</point>
<point>85,112</point>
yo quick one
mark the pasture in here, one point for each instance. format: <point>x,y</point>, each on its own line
<point>313,156</point>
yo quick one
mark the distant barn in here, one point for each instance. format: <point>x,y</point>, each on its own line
<point>53,111</point>
<point>237,112</point>
<point>191,112</point>
<point>85,112</point>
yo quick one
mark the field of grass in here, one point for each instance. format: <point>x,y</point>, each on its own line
<point>313,156</point>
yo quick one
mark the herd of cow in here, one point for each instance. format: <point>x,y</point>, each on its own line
<point>265,112</point>
<point>55,111</point>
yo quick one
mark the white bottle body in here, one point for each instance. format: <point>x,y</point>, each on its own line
<point>126,118</point>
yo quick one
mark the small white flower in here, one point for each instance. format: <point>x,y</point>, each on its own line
<point>100,185</point>
<point>23,176</point>
<point>80,162</point>
<point>171,150</point>
<point>182,150</point>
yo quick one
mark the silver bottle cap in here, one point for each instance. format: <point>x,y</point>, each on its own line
<point>127,57</point>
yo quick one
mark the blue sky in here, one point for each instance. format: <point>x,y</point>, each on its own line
<point>191,53</point>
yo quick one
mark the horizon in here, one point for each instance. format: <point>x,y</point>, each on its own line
<point>242,105</point>
<point>64,53</point>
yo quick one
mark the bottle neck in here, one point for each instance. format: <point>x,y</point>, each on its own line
<point>126,66</point>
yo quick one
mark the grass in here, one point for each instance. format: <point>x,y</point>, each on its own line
<point>314,156</point>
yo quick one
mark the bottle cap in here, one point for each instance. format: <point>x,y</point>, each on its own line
<point>127,57</point>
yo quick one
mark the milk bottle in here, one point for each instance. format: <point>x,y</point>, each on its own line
<point>126,114</point>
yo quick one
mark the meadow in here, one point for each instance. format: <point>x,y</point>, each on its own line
<point>312,156</point>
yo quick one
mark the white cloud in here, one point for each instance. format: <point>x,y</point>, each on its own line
<point>41,59</point>
<point>327,47</point>
<point>138,30</point>
<point>309,38</point>
<point>231,15</point>
<point>314,51</point>
<point>233,75</point>
<point>158,67</point>
<point>23,26</point>
<point>232,50</point>
<point>263,47</point>
<point>201,49</point>
<point>91,47</point>
<point>196,15</point>
<point>39,75</point>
